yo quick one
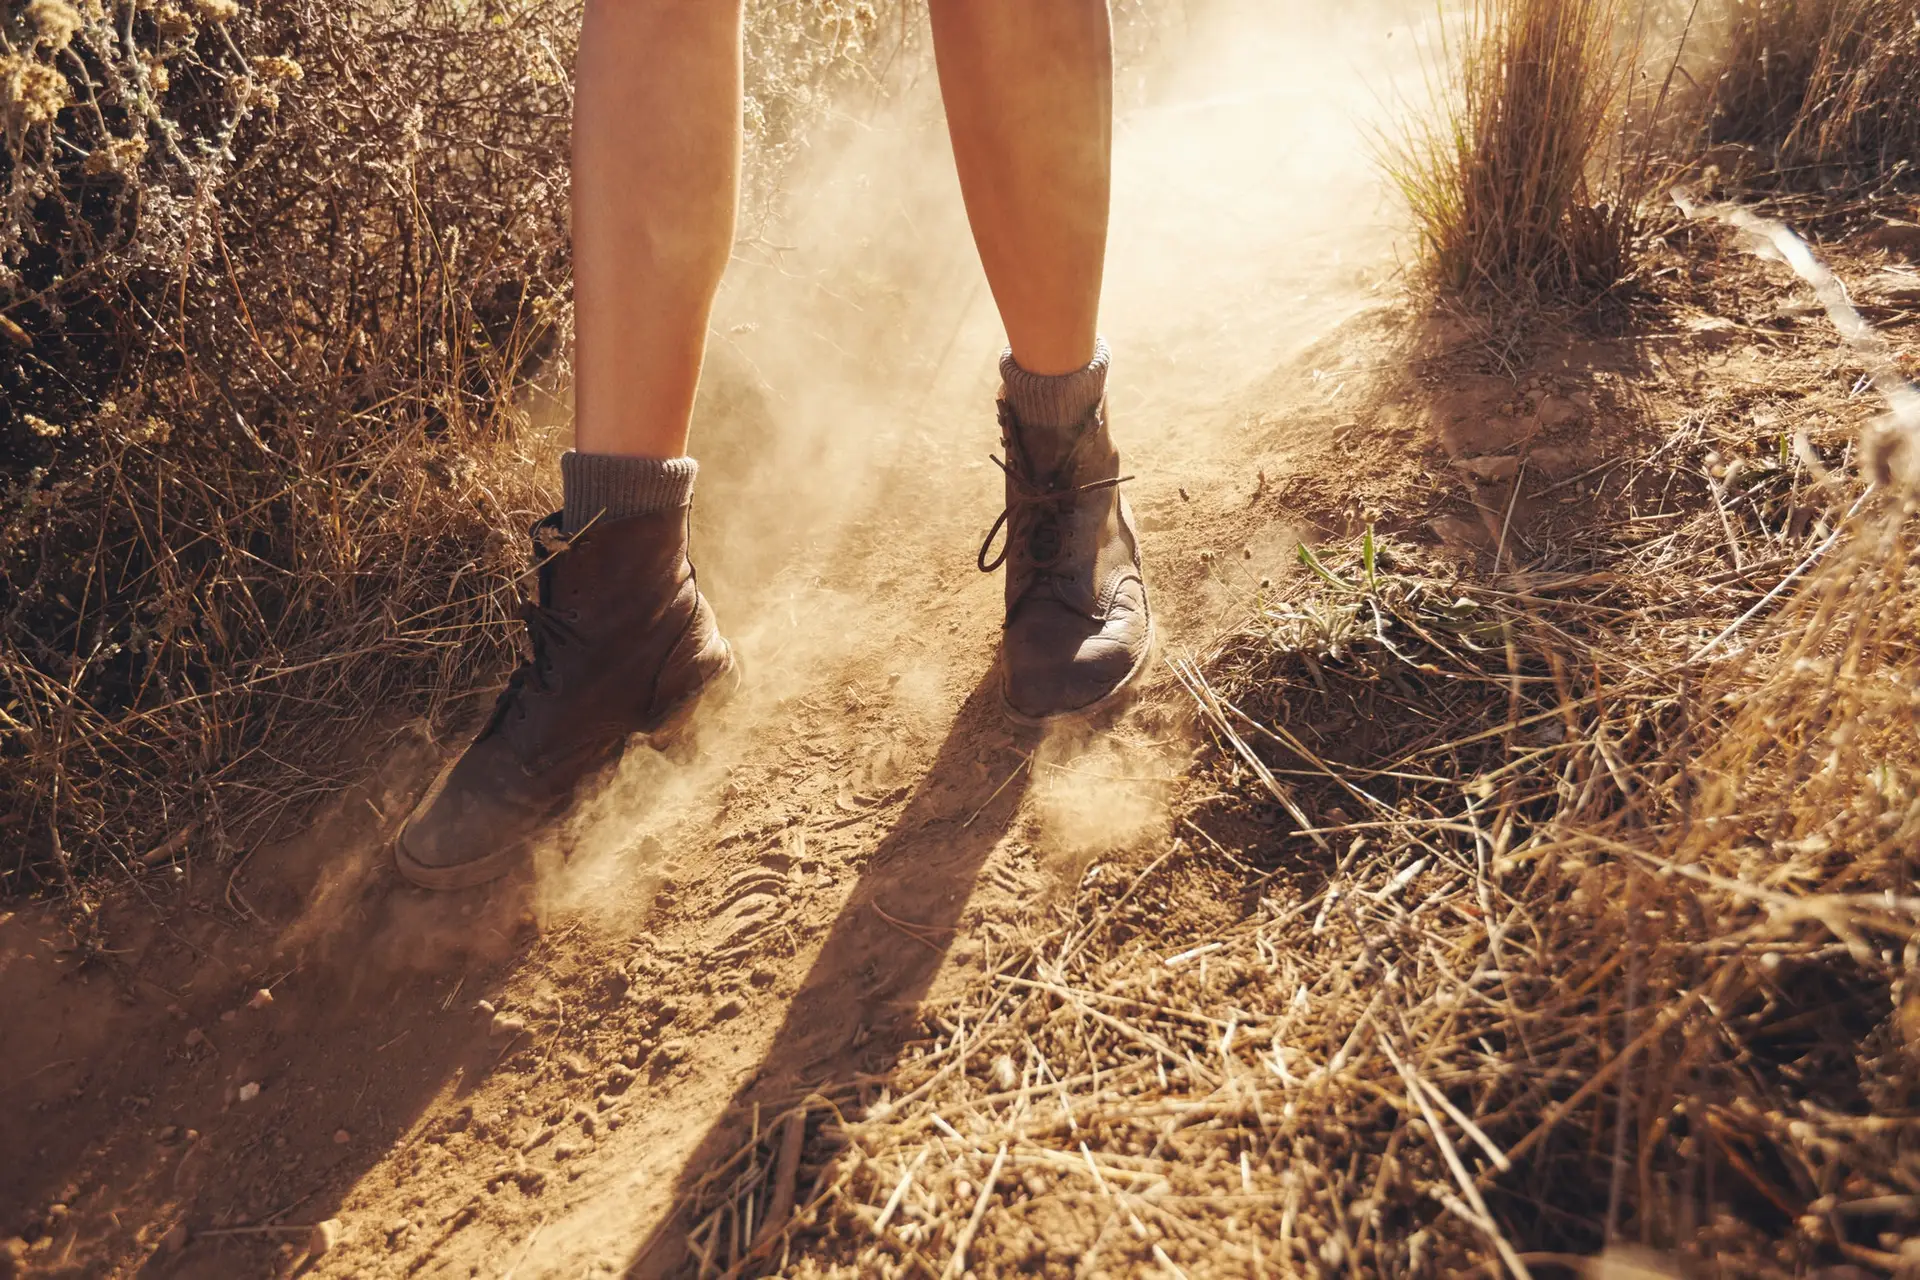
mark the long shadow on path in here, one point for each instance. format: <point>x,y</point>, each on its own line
<point>855,1009</point>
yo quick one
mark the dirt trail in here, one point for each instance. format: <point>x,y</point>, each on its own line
<point>769,915</point>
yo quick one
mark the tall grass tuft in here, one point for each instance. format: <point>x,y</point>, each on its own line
<point>272,274</point>
<point>1513,179</point>
<point>1827,89</point>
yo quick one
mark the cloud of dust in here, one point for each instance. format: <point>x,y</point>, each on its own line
<point>845,415</point>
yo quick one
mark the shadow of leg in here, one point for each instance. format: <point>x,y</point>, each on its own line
<point>854,1012</point>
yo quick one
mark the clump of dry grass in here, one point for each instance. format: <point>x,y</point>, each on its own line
<point>1514,179</point>
<point>1575,911</point>
<point>271,277</point>
<point>1828,90</point>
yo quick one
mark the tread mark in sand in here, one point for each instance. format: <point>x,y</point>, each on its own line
<point>753,901</point>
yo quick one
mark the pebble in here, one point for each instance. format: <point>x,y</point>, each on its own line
<point>341,1137</point>
<point>1489,469</point>
<point>249,1091</point>
<point>196,1036</point>
<point>324,1236</point>
<point>260,999</point>
<point>507,1024</point>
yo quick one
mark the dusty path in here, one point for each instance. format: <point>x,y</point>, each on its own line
<point>768,916</point>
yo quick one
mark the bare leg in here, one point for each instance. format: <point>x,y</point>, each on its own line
<point>656,178</point>
<point>1029,92</point>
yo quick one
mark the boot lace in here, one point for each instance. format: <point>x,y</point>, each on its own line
<point>1037,506</point>
<point>547,629</point>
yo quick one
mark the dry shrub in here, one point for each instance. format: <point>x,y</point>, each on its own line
<point>1517,918</point>
<point>270,277</point>
<point>1516,176</point>
<point>1829,90</point>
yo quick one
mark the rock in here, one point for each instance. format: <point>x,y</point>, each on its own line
<point>341,1137</point>
<point>249,1091</point>
<point>727,1009</point>
<point>1460,534</point>
<point>196,1037</point>
<point>1554,461</point>
<point>1555,411</point>
<point>506,1024</point>
<point>1902,238</point>
<point>1489,470</point>
<point>324,1236</point>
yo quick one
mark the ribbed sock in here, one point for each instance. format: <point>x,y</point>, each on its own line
<point>612,486</point>
<point>1055,401</point>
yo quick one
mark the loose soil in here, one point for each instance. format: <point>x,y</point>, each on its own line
<point>523,1081</point>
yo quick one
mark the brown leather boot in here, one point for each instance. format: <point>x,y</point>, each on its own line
<point>1078,630</point>
<point>623,643</point>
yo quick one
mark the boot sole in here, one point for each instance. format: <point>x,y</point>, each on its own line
<point>674,731</point>
<point>1121,693</point>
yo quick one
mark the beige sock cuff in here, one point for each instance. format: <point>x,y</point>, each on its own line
<point>611,486</point>
<point>1055,401</point>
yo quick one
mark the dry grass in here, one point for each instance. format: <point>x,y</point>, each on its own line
<point>1827,90</point>
<point>1569,908</point>
<point>271,278</point>
<point>1518,178</point>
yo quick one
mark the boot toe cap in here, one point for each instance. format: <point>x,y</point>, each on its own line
<point>467,829</point>
<point>1059,664</point>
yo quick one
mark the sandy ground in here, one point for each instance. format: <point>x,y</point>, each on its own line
<point>522,1082</point>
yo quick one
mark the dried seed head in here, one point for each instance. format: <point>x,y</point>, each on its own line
<point>278,68</point>
<point>171,23</point>
<point>158,77</point>
<point>122,155</point>
<point>33,89</point>
<point>54,23</point>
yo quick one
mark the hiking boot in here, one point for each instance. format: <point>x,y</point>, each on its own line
<point>623,643</point>
<point>1078,631</point>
